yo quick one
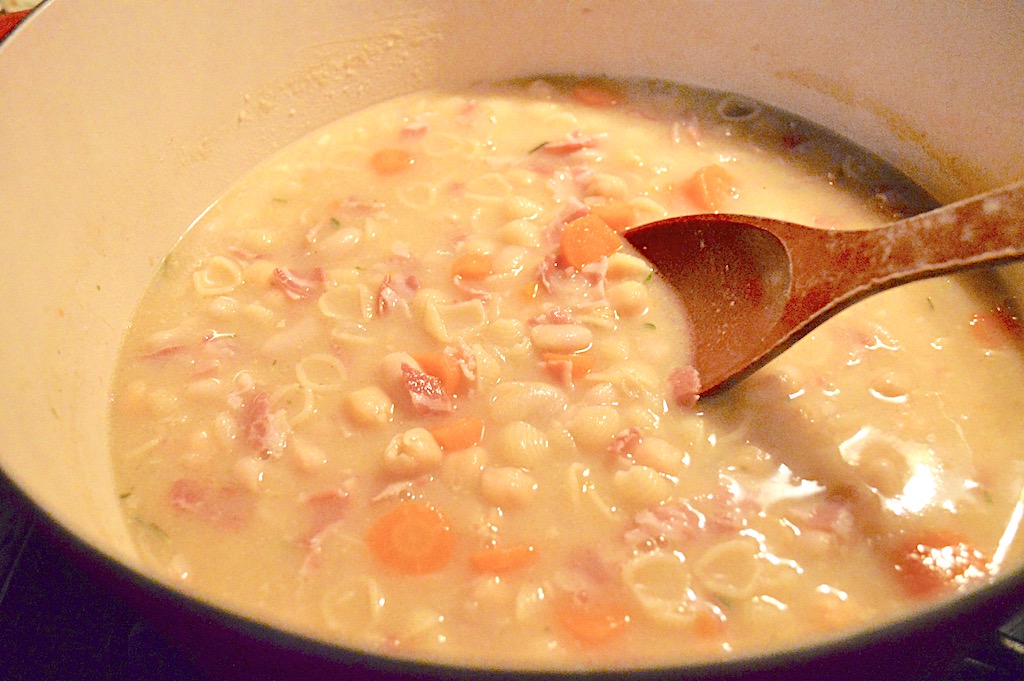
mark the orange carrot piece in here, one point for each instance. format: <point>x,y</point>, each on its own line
<point>473,266</point>
<point>617,214</point>
<point>412,538</point>
<point>497,560</point>
<point>458,433</point>
<point>938,562</point>
<point>444,367</point>
<point>592,623</point>
<point>710,188</point>
<point>582,363</point>
<point>391,161</point>
<point>529,292</point>
<point>586,240</point>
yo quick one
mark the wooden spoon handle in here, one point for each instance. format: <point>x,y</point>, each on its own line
<point>837,268</point>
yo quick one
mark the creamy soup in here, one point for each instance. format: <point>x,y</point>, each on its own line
<point>405,388</point>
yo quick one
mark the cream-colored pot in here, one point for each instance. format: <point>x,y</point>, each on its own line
<point>121,121</point>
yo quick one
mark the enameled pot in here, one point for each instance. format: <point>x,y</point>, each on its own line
<point>120,122</point>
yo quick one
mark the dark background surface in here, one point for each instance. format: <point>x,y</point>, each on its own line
<point>57,624</point>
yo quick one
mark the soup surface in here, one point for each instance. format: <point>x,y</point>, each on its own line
<point>404,387</point>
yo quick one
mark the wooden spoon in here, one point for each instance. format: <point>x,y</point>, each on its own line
<point>753,286</point>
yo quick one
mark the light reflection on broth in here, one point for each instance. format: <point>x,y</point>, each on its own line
<point>405,389</point>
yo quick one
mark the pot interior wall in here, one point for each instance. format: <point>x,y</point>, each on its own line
<point>123,121</point>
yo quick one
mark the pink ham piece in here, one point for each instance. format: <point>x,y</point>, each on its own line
<point>573,142</point>
<point>299,286</point>
<point>684,386</point>
<point>425,391</point>
<point>228,506</point>
<point>261,430</point>
<point>674,524</point>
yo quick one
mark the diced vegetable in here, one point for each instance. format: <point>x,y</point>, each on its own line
<point>586,240</point>
<point>444,367</point>
<point>391,161</point>
<point>937,562</point>
<point>412,538</point>
<point>499,560</point>
<point>580,364</point>
<point>473,266</point>
<point>592,622</point>
<point>617,214</point>
<point>458,433</point>
<point>710,188</point>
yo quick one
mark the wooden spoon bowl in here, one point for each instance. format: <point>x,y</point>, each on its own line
<point>753,286</point>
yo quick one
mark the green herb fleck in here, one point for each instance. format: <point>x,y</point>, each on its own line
<point>537,148</point>
<point>649,278</point>
<point>124,495</point>
<point>152,527</point>
<point>278,200</point>
<point>336,223</point>
<point>650,325</point>
<point>931,304</point>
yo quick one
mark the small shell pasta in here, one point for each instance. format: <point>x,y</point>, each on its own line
<point>730,569</point>
<point>453,321</point>
<point>220,276</point>
<point>346,301</point>
<point>661,582</point>
<point>369,406</point>
<point>413,452</point>
<point>321,373</point>
<point>507,486</point>
<point>526,400</point>
<point>642,486</point>
<point>593,427</point>
<point>521,444</point>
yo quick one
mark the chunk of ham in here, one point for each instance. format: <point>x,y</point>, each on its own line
<point>263,431</point>
<point>395,293</point>
<point>425,391</point>
<point>299,286</point>
<point>684,386</point>
<point>673,524</point>
<point>575,141</point>
<point>229,506</point>
<point>625,441</point>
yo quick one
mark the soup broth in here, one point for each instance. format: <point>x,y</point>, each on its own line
<point>405,388</point>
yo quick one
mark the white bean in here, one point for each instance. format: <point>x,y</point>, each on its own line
<point>562,338</point>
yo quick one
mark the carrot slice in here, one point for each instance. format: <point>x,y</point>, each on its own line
<point>390,161</point>
<point>710,188</point>
<point>591,623</point>
<point>496,560</point>
<point>617,214</point>
<point>444,367</point>
<point>581,363</point>
<point>586,240</point>
<point>473,266</point>
<point>412,538</point>
<point>938,562</point>
<point>458,433</point>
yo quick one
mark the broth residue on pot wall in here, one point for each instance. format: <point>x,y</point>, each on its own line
<point>405,389</point>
